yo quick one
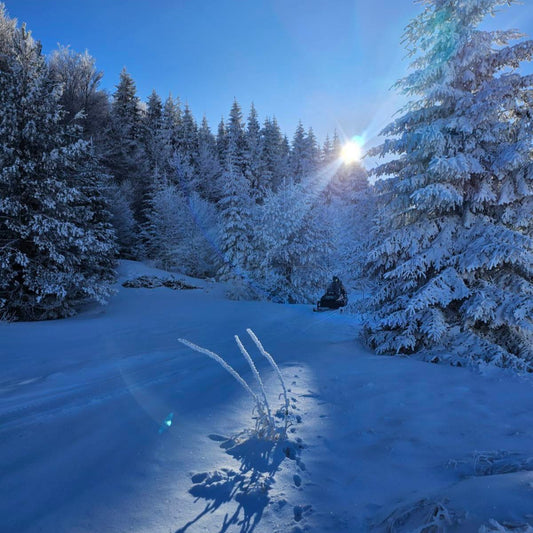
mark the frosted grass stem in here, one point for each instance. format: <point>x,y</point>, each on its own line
<point>224,365</point>
<point>270,359</point>
<point>256,374</point>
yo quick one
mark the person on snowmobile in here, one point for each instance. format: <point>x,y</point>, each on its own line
<point>335,296</point>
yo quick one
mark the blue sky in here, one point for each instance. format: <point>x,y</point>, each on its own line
<point>329,63</point>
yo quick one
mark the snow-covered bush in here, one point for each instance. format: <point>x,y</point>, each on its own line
<point>265,421</point>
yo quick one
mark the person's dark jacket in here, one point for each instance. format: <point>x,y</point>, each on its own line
<point>336,289</point>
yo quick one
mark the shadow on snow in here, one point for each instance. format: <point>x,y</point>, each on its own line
<point>249,486</point>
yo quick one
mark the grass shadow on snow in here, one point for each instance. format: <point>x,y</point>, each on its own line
<point>248,486</point>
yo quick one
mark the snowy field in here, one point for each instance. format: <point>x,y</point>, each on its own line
<point>376,443</point>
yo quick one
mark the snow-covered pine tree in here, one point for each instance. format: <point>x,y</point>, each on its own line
<point>157,129</point>
<point>208,164</point>
<point>305,155</point>
<point>123,153</point>
<point>222,141</point>
<point>283,166</point>
<point>96,256</point>
<point>274,155</point>
<point>185,171</point>
<point>454,252</point>
<point>235,204</point>
<point>331,149</point>
<point>188,134</point>
<point>123,144</point>
<point>236,137</point>
<point>297,158</point>
<point>155,147</point>
<point>253,157</point>
<point>312,153</point>
<point>336,143</point>
<point>56,243</point>
<point>328,155</point>
<point>171,120</point>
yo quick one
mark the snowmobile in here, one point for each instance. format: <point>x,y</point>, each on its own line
<point>334,298</point>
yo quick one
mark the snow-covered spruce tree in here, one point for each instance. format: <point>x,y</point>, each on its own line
<point>96,257</point>
<point>235,205</point>
<point>222,141</point>
<point>328,153</point>
<point>208,165</point>
<point>188,133</point>
<point>56,242</point>
<point>312,151</point>
<point>253,157</point>
<point>274,155</point>
<point>123,150</point>
<point>453,251</point>
<point>125,131</point>
<point>187,152</point>
<point>304,156</point>
<point>158,147</point>
<point>171,121</point>
<point>156,142</point>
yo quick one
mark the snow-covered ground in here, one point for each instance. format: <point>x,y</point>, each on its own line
<point>377,443</point>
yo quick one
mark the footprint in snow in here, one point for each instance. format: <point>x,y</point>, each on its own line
<point>300,510</point>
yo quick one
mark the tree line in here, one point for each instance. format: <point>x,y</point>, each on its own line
<point>244,205</point>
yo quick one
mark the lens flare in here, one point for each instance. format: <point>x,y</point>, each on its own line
<point>166,423</point>
<point>351,152</point>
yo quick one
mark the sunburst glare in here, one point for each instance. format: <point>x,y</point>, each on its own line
<point>351,152</point>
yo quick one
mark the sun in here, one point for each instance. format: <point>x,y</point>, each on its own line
<point>351,152</point>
